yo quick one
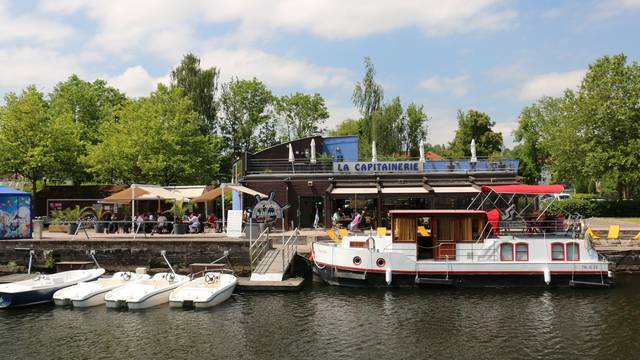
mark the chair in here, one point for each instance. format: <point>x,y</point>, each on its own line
<point>614,232</point>
<point>592,235</point>
<point>332,235</point>
<point>381,231</point>
<point>343,232</point>
<point>637,237</point>
<point>423,231</point>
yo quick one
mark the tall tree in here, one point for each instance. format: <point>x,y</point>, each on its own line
<point>475,125</point>
<point>389,123</point>
<point>155,140</point>
<point>303,115</point>
<point>346,127</point>
<point>201,86</point>
<point>32,145</point>
<point>416,128</point>
<point>247,124</point>
<point>367,97</point>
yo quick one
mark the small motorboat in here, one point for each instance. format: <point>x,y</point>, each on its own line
<point>209,290</point>
<point>87,294</point>
<point>145,293</point>
<point>41,288</point>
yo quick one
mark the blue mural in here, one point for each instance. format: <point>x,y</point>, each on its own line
<point>15,214</point>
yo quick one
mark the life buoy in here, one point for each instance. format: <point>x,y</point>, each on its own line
<point>357,260</point>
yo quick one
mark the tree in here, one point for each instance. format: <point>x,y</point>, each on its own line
<point>367,97</point>
<point>247,121</point>
<point>475,125</point>
<point>389,124</point>
<point>156,140</point>
<point>32,145</point>
<point>303,115</point>
<point>416,128</point>
<point>201,86</point>
<point>347,127</point>
<point>80,107</point>
<point>536,126</point>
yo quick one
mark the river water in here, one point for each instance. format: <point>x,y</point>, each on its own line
<point>324,322</point>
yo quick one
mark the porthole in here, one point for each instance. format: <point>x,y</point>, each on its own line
<point>357,260</point>
<point>380,262</point>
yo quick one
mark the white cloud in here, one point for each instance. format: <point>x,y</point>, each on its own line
<point>31,28</point>
<point>275,70</point>
<point>457,86</point>
<point>22,66</point>
<point>608,8</point>
<point>506,128</point>
<point>339,113</point>
<point>124,25</point>
<point>515,71</point>
<point>136,81</point>
<point>551,84</point>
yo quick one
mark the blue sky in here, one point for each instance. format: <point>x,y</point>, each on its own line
<point>495,56</point>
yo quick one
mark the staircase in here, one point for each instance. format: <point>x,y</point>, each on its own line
<point>275,262</point>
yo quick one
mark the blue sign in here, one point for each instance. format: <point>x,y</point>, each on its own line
<point>377,167</point>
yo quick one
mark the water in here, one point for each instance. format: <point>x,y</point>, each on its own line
<point>324,322</point>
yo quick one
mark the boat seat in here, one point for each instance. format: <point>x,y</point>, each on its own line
<point>592,235</point>
<point>332,235</point>
<point>423,231</point>
<point>637,237</point>
<point>381,231</point>
<point>614,232</point>
<point>343,232</point>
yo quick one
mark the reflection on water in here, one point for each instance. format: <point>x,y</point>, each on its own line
<point>325,322</point>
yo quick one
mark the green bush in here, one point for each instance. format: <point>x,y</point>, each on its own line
<point>586,208</point>
<point>572,206</point>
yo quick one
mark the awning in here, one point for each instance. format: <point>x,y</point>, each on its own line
<point>215,193</point>
<point>524,189</point>
<point>405,190</point>
<point>141,192</point>
<point>354,191</point>
<point>190,192</point>
<point>455,190</point>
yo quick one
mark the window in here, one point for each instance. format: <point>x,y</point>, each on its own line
<point>573,252</point>
<point>522,252</point>
<point>506,252</point>
<point>557,251</point>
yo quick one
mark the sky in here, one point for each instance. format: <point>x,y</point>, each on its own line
<point>495,56</point>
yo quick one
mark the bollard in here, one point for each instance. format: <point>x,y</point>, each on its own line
<point>37,229</point>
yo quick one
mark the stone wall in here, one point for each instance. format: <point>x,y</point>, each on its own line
<point>118,255</point>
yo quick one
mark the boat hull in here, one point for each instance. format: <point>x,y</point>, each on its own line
<point>95,299</point>
<point>342,277</point>
<point>26,298</point>
<point>216,298</point>
<point>156,299</point>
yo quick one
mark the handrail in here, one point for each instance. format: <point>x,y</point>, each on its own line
<point>257,247</point>
<point>289,248</point>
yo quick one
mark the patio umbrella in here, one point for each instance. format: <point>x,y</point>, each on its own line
<point>421,150</point>
<point>374,153</point>
<point>313,151</point>
<point>291,157</point>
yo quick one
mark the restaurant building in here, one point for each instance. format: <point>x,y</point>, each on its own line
<point>317,175</point>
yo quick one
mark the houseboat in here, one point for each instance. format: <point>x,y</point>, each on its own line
<point>473,247</point>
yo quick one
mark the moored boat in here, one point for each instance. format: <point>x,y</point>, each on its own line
<point>146,293</point>
<point>41,288</point>
<point>465,248</point>
<point>209,290</point>
<point>87,294</point>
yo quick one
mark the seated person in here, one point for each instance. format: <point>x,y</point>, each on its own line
<point>336,217</point>
<point>355,223</point>
<point>194,223</point>
<point>161,226</point>
<point>212,221</point>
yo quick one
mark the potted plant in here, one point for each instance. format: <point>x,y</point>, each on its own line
<point>178,210</point>
<point>56,224</point>
<point>74,215</point>
<point>100,214</point>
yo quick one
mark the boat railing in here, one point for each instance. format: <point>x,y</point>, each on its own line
<point>528,227</point>
<point>289,249</point>
<point>258,247</point>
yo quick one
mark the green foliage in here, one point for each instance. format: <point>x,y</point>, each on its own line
<point>416,128</point>
<point>368,94</point>
<point>76,213</point>
<point>388,128</point>
<point>247,123</point>
<point>49,261</point>
<point>13,266</point>
<point>475,125</point>
<point>346,127</point>
<point>572,206</point>
<point>600,208</point>
<point>156,140</point>
<point>303,115</point>
<point>179,209</point>
<point>100,213</point>
<point>590,137</point>
<point>201,86</point>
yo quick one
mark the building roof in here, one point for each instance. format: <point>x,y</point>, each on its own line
<point>10,191</point>
<point>430,155</point>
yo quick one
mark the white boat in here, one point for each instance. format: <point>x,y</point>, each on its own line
<point>87,294</point>
<point>41,288</point>
<point>145,293</point>
<point>209,290</point>
<point>467,248</point>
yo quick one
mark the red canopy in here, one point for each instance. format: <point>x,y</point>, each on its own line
<point>524,189</point>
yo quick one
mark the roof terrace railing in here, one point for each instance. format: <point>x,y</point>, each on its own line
<point>280,166</point>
